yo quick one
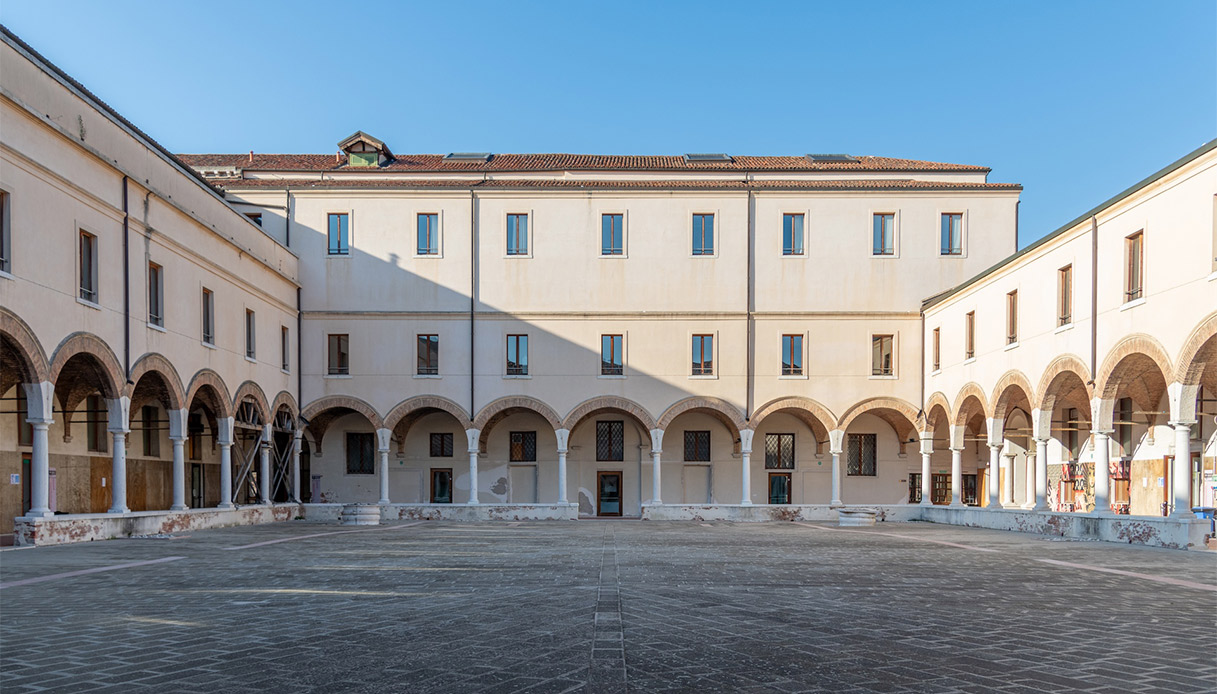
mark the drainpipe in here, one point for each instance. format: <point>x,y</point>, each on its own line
<point>299,352</point>
<point>748,316</point>
<point>287,218</point>
<point>1094,295</point>
<point>472,297</point>
<point>921,405</point>
<point>126,285</point>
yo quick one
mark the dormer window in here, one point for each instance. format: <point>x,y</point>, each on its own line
<point>364,151</point>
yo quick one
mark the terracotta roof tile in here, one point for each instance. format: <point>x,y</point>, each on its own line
<point>533,184</point>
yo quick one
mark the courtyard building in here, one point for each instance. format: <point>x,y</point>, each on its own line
<point>209,339</point>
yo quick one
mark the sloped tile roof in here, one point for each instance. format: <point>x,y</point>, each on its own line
<point>534,184</point>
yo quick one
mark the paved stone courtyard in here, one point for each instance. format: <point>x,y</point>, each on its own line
<point>607,606</point>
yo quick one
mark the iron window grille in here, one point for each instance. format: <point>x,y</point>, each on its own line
<point>284,348</point>
<point>441,445</point>
<point>861,458</point>
<point>361,453</point>
<point>697,446</point>
<point>250,333</point>
<point>523,447</point>
<point>428,355</point>
<point>914,487</point>
<point>779,451</point>
<point>610,441</point>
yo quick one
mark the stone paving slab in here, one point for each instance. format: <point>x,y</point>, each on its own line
<point>607,606</point>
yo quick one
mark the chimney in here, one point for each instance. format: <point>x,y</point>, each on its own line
<point>251,156</point>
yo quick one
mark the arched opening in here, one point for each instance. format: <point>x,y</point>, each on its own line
<point>938,426</point>
<point>790,464</point>
<point>21,363</point>
<point>429,464</point>
<point>344,452</point>
<point>208,403</point>
<point>875,464</point>
<point>1136,411</point>
<point>1197,373</point>
<point>970,434</point>
<point>609,446</point>
<point>1065,426</point>
<point>1012,408</point>
<point>249,422</point>
<point>519,450</point>
<point>156,392</point>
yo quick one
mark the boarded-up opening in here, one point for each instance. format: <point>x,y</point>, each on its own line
<point>696,480</point>
<point>523,488</point>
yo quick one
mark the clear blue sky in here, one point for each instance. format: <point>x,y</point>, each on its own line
<point>1075,100</point>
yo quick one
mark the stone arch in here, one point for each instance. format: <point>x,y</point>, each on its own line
<point>1007,389</point>
<point>718,408</point>
<point>285,399</point>
<point>406,411</point>
<point>1056,373</point>
<point>1127,360</point>
<point>962,411</point>
<point>592,406</point>
<point>503,408</point>
<point>169,392</point>
<point>205,381</point>
<point>1199,350</point>
<point>19,345</point>
<point>937,410</point>
<point>901,416</point>
<point>99,353</point>
<point>252,391</point>
<point>319,414</point>
<point>817,417</point>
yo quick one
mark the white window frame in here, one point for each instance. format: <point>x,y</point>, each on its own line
<point>506,215</point>
<point>870,232</point>
<point>625,235</point>
<point>717,365</point>
<point>96,301</point>
<point>350,233</point>
<point>251,336</point>
<point>285,346</point>
<point>806,335</point>
<point>870,355</point>
<point>963,232</point>
<point>806,234</point>
<point>625,346</point>
<point>715,213</point>
<point>439,242</point>
<point>160,295</point>
<point>6,233</point>
<point>204,314</point>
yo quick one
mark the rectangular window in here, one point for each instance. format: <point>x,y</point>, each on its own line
<point>339,233</point>
<point>914,487</point>
<point>194,437</point>
<point>937,351</point>
<point>255,217</point>
<point>885,234</point>
<point>610,441</point>
<point>862,455</point>
<point>517,355</point>
<point>967,495</point>
<point>517,234</point>
<point>428,234</point>
<point>703,234</point>
<point>1134,274</point>
<point>1124,426</point>
<point>25,430</point>
<point>940,490</point>
<point>251,350</point>
<point>779,451</point>
<point>361,453</point>
<point>703,355</point>
<point>209,330</point>
<point>523,446</point>
<point>697,446</point>
<point>284,349</point>
<point>6,241</point>
<point>151,435</point>
<point>156,296</point>
<point>611,363</point>
<point>792,355</point>
<point>428,355</point>
<point>952,234</point>
<point>339,355</point>
<point>95,419</point>
<point>441,445</point>
<point>1064,296</point>
<point>969,335</point>
<point>1012,317</point>
<point>88,266</point>
<point>882,359</point>
<point>792,234</point>
<point>1073,427</point>
<point>612,234</point>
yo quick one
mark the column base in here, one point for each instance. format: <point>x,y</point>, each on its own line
<point>118,510</point>
<point>925,503</point>
<point>39,513</point>
<point>745,502</point>
<point>179,507</point>
<point>226,507</point>
<point>384,502</point>
<point>836,503</point>
<point>1182,514</point>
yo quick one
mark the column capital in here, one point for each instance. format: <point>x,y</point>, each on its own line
<point>1105,433</point>
<point>836,441</point>
<point>39,402</point>
<point>927,444</point>
<point>657,440</point>
<point>118,414</point>
<point>563,436</point>
<point>471,437</point>
<point>1183,423</point>
<point>383,437</point>
<point>224,427</point>
<point>177,424</point>
<point>745,440</point>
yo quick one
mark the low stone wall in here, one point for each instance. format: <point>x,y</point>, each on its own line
<point>759,513</point>
<point>85,527</point>
<point>1175,533</point>
<point>452,512</point>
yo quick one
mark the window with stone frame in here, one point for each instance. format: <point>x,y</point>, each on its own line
<point>697,446</point>
<point>428,355</point>
<point>361,453</point>
<point>779,451</point>
<point>861,455</point>
<point>441,445</point>
<point>610,441</point>
<point>523,446</point>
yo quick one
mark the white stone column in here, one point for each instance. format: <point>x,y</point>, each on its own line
<point>296,448</point>
<point>563,436</point>
<point>39,413</point>
<point>1029,480</point>
<point>1181,474</point>
<point>835,438</point>
<point>1102,473</point>
<point>383,437</point>
<point>118,410</point>
<point>1007,489</point>
<point>224,438</point>
<point>1041,475</point>
<point>927,452</point>
<point>994,476</point>
<point>264,481</point>
<point>177,434</point>
<point>956,476</point>
<point>656,467</point>
<point>745,449</point>
<point>472,435</point>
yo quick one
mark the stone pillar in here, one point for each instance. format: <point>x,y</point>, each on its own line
<point>835,438</point>
<point>264,480</point>
<point>39,413</point>
<point>297,442</point>
<point>1041,475</point>
<point>1007,489</point>
<point>956,476</point>
<point>224,438</point>
<point>1029,481</point>
<point>1102,473</point>
<point>1181,474</point>
<point>119,410</point>
<point>656,467</point>
<point>994,476</point>
<point>472,435</point>
<point>563,436</point>
<point>927,451</point>
<point>383,437</point>
<point>177,434</point>
<point>745,448</point>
